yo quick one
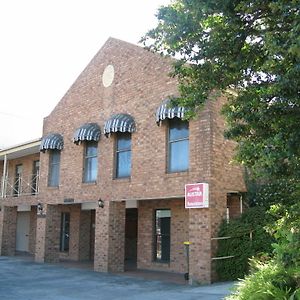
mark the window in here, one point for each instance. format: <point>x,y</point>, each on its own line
<point>90,162</point>
<point>123,155</point>
<point>65,232</point>
<point>54,166</point>
<point>178,155</point>
<point>162,235</point>
<point>35,177</point>
<point>18,180</point>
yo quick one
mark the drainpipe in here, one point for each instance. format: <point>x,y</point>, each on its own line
<point>4,176</point>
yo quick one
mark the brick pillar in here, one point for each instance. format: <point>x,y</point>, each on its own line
<point>8,229</point>
<point>85,235</point>
<point>110,237</point>
<point>48,234</point>
<point>32,233</point>
<point>200,248</point>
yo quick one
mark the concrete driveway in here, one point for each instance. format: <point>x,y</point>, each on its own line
<point>25,280</point>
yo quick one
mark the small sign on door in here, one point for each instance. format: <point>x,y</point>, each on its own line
<point>196,195</point>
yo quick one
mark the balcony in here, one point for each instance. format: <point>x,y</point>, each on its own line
<point>19,186</point>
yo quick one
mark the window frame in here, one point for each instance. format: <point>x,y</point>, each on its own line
<point>155,237</point>
<point>51,167</point>
<point>117,151</point>
<point>87,158</point>
<point>173,141</point>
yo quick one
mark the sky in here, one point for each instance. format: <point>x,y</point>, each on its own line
<point>46,44</point>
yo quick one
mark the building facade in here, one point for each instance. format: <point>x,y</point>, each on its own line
<point>107,180</point>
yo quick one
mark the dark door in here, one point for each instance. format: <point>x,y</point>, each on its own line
<point>131,228</point>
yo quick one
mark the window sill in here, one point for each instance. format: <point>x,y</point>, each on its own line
<point>178,174</point>
<point>122,179</point>
<point>89,183</point>
<point>53,187</point>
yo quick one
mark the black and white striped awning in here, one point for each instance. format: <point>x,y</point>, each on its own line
<point>166,110</point>
<point>119,123</point>
<point>87,132</point>
<point>52,141</point>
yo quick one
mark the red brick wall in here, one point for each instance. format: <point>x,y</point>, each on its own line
<point>179,234</point>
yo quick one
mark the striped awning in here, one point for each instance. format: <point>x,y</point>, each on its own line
<point>119,123</point>
<point>166,110</point>
<point>87,132</point>
<point>52,141</point>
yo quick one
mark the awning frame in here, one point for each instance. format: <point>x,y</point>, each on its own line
<point>87,132</point>
<point>119,123</point>
<point>167,111</point>
<point>52,141</point>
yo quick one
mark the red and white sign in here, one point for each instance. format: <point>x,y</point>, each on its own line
<point>196,195</point>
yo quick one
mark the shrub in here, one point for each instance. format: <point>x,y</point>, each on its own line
<point>240,245</point>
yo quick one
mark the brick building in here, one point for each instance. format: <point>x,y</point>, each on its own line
<point>106,181</point>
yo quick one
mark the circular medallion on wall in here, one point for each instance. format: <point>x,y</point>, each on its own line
<point>108,75</point>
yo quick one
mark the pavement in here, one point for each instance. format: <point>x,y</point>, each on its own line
<point>22,279</point>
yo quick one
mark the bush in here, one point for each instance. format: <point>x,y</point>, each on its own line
<point>269,281</point>
<point>278,278</point>
<point>240,245</point>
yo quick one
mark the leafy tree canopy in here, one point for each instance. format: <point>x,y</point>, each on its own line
<point>252,48</point>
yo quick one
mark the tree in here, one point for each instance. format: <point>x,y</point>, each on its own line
<point>253,48</point>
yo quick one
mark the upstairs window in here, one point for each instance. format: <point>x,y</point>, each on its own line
<point>178,146</point>
<point>123,155</point>
<point>54,166</point>
<point>90,162</point>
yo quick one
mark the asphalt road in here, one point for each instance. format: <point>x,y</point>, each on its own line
<point>25,280</point>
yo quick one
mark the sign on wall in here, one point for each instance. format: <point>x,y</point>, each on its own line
<point>196,195</point>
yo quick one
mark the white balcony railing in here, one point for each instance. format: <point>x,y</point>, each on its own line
<point>19,186</point>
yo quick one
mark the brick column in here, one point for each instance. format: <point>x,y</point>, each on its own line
<point>48,234</point>
<point>200,248</point>
<point>110,237</point>
<point>8,229</point>
<point>32,233</point>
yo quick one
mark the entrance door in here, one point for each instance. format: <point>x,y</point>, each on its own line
<point>23,227</point>
<point>131,226</point>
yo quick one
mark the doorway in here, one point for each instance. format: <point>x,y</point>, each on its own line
<point>131,229</point>
<point>23,228</point>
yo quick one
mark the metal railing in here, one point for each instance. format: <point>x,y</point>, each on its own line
<point>19,186</point>
<point>230,237</point>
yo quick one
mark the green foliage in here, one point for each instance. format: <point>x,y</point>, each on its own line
<point>270,281</point>
<point>252,47</point>
<point>283,191</point>
<point>278,278</point>
<point>240,245</point>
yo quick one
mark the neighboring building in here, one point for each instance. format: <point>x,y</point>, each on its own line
<point>108,184</point>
